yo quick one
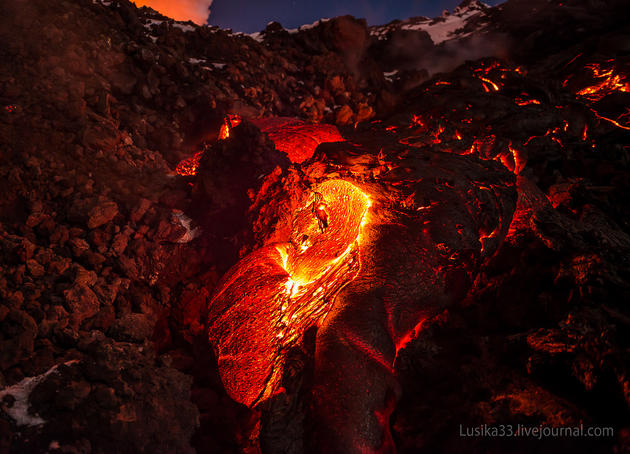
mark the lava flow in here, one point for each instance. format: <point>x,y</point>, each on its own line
<point>296,138</point>
<point>290,135</point>
<point>607,82</point>
<point>493,69</point>
<point>281,290</point>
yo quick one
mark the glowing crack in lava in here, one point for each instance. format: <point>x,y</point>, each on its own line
<point>495,69</point>
<point>189,166</point>
<point>287,288</point>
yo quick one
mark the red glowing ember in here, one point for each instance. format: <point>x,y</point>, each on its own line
<point>416,121</point>
<point>188,167</point>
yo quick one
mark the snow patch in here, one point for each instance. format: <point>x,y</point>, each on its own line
<point>184,27</point>
<point>439,29</point>
<point>307,26</point>
<point>314,24</point>
<point>151,22</point>
<point>390,75</point>
<point>21,393</point>
<point>258,36</point>
<point>186,222</point>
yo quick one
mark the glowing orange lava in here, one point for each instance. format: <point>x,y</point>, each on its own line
<point>229,122</point>
<point>494,69</point>
<point>188,167</point>
<point>526,102</point>
<point>607,82</point>
<point>296,138</point>
<point>491,84</point>
<point>281,290</point>
<point>416,121</point>
<point>611,121</point>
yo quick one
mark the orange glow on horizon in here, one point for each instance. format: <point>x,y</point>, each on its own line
<point>181,10</point>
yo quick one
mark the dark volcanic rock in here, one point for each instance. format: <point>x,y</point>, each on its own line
<point>101,264</point>
<point>230,172</point>
<point>144,409</point>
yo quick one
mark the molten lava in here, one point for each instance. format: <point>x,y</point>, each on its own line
<point>292,136</point>
<point>523,101</point>
<point>494,70</point>
<point>281,290</point>
<point>188,167</point>
<point>229,122</point>
<point>607,82</point>
<point>296,138</point>
<point>611,121</point>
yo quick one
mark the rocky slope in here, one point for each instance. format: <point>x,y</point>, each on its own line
<point>104,279</point>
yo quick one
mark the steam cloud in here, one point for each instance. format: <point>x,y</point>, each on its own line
<point>183,10</point>
<point>452,54</point>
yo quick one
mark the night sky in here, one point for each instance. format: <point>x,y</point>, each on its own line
<point>251,16</point>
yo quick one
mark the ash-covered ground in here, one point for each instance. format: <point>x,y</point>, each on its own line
<point>108,256</point>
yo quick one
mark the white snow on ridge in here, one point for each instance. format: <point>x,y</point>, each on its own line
<point>307,26</point>
<point>151,22</point>
<point>314,24</point>
<point>439,29</point>
<point>258,36</point>
<point>184,27</point>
